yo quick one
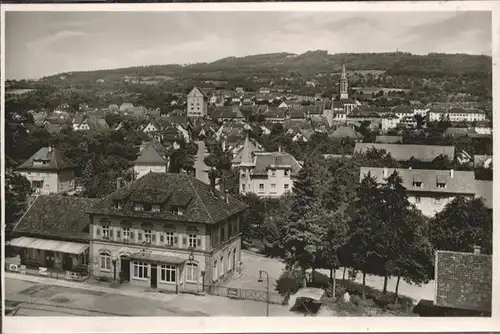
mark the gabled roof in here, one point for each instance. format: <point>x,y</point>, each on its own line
<point>56,161</point>
<point>243,154</point>
<point>264,160</point>
<point>198,90</point>
<point>403,152</point>
<point>201,203</point>
<point>150,156</point>
<point>345,132</point>
<point>56,216</point>
<point>462,182</point>
<point>464,280</point>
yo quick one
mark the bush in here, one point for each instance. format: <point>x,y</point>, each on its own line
<point>321,281</point>
<point>289,282</point>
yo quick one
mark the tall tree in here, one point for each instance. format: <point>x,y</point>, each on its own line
<point>17,190</point>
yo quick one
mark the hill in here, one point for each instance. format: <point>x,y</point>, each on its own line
<point>306,64</point>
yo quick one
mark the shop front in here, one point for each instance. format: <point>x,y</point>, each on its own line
<point>45,255</point>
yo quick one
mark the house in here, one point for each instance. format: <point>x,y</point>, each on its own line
<point>169,232</point>
<point>249,146</point>
<point>484,190</point>
<point>408,122</point>
<point>53,234</point>
<point>389,139</point>
<point>89,123</point>
<point>49,171</point>
<point>275,115</point>
<point>197,103</point>
<point>267,174</point>
<point>240,90</point>
<point>346,132</point>
<point>150,160</point>
<point>457,115</point>
<point>283,105</point>
<point>464,283</point>
<point>297,115</point>
<point>389,122</point>
<point>39,118</point>
<point>483,128</point>
<point>265,90</point>
<point>429,190</point>
<point>310,84</point>
<point>483,161</point>
<point>151,127</point>
<point>403,152</point>
<point>125,106</point>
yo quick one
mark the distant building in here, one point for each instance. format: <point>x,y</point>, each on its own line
<point>429,190</point>
<point>267,174</point>
<point>343,85</point>
<point>149,160</point>
<point>197,103</point>
<point>457,115</point>
<point>389,139</point>
<point>166,231</point>
<point>248,147</point>
<point>49,171</point>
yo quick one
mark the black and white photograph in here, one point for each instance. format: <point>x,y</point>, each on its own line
<point>257,163</point>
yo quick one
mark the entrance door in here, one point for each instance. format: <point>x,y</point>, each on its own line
<point>154,276</point>
<point>67,262</point>
<point>125,268</point>
<point>234,260</point>
<point>50,259</point>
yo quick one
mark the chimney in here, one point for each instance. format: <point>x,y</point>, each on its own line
<point>279,148</point>
<point>226,197</point>
<point>477,249</point>
<point>118,183</point>
<point>451,173</point>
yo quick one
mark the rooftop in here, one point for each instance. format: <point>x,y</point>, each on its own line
<point>402,152</point>
<point>199,202</point>
<point>56,215</point>
<point>150,156</point>
<point>47,158</point>
<point>265,160</point>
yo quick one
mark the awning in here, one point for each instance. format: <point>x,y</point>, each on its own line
<point>49,245</point>
<point>157,257</point>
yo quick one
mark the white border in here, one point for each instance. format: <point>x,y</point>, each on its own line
<point>258,324</point>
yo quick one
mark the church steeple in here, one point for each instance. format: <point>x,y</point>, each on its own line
<point>343,85</point>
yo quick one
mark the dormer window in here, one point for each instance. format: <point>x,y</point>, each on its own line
<point>441,185</point>
<point>273,172</point>
<point>417,184</point>
<point>177,210</point>
<point>138,207</point>
<point>155,208</point>
<point>287,172</point>
<point>118,205</point>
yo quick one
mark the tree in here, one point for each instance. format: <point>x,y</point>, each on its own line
<point>17,190</point>
<point>182,159</point>
<point>463,224</point>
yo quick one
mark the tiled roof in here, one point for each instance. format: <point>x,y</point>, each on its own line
<point>485,191</point>
<point>264,160</point>
<point>389,139</point>
<point>56,161</point>
<point>462,182</point>
<point>456,132</point>
<point>201,204</point>
<point>150,156</point>
<point>345,132</point>
<point>402,152</point>
<point>244,153</point>
<point>297,114</point>
<point>463,281</point>
<point>56,215</point>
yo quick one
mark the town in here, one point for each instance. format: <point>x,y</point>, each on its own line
<point>367,192</point>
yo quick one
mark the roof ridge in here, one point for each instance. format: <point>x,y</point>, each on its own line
<point>24,214</point>
<point>199,198</point>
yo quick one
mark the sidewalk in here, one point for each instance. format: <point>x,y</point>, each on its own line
<point>124,290</point>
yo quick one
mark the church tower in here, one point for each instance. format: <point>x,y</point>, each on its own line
<point>343,86</point>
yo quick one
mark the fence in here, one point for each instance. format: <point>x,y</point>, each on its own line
<point>246,294</point>
<point>41,271</point>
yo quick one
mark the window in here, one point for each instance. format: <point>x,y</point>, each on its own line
<point>37,184</point>
<point>169,238</point>
<point>192,240</point>
<point>221,272</point>
<point>148,235</point>
<point>287,186</point>
<point>417,184</point>
<point>105,261</point>
<point>167,273</point>
<point>126,235</point>
<point>222,234</point>
<point>155,208</point>
<point>191,272</point>
<point>118,205</point>
<point>106,232</point>
<point>140,270</point>
<point>437,200</point>
<point>261,187</point>
<point>177,211</point>
<point>214,271</point>
<point>273,186</point>
<point>287,172</point>
<point>83,259</point>
<point>242,187</point>
<point>138,207</point>
<point>441,185</point>
<point>273,172</point>
<point>417,199</point>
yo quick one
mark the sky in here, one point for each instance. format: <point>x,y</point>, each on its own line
<point>38,44</point>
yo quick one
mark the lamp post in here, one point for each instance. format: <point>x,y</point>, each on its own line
<point>261,280</point>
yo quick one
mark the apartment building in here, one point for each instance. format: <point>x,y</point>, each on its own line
<point>457,115</point>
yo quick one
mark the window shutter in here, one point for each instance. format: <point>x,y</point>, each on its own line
<point>175,240</point>
<point>153,237</point>
<point>98,231</point>
<point>184,240</point>
<point>118,234</point>
<point>132,235</point>
<point>198,241</point>
<point>139,236</point>
<point>111,233</point>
